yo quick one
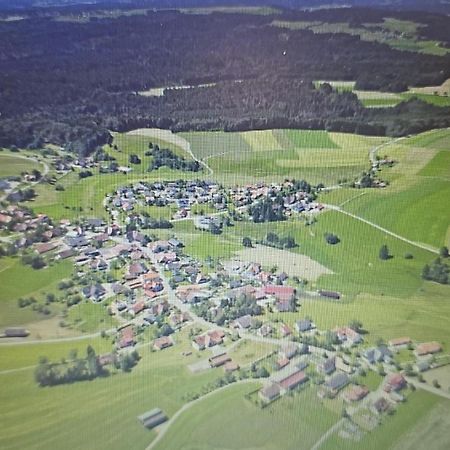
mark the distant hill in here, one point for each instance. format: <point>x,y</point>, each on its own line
<point>442,6</point>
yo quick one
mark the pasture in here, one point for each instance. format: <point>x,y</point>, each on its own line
<point>212,423</point>
<point>160,379</point>
<point>11,165</point>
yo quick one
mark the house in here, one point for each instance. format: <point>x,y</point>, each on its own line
<point>378,354</point>
<point>159,246</point>
<point>94,292</point>
<point>337,382</point>
<point>348,335</point>
<point>394,382</point>
<point>243,322</point>
<point>285,330</point>
<point>126,337</point>
<point>356,393</point>
<point>66,254</point>
<point>265,330</point>
<point>106,359</point>
<point>175,243</point>
<point>269,393</point>
<point>293,380</point>
<point>281,293</point>
<point>162,342</point>
<point>281,362</point>
<point>380,406</point>
<point>327,366</point>
<point>152,418</point>
<point>304,325</point>
<point>289,350</point>
<point>45,247</point>
<point>422,366</point>
<point>428,348</point>
<point>399,343</point>
<point>137,308</point>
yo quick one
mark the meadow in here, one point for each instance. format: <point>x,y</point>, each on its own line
<point>160,379</point>
<point>11,165</point>
<point>289,423</point>
<point>317,156</point>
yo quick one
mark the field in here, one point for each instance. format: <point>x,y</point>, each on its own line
<point>289,423</point>
<point>13,165</point>
<point>159,380</point>
<point>398,34</point>
<point>293,264</point>
<point>394,428</point>
<point>441,374</point>
<point>275,154</point>
<point>420,186</point>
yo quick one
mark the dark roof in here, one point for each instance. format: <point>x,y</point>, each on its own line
<point>337,381</point>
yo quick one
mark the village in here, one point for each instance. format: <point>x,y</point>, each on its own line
<point>157,286</point>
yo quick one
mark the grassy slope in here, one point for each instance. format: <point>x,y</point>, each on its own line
<point>289,423</point>
<point>100,408</point>
<point>11,165</point>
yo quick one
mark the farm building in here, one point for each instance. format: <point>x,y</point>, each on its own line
<point>270,392</point>
<point>152,418</point>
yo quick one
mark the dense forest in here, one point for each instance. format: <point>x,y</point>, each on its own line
<point>71,82</point>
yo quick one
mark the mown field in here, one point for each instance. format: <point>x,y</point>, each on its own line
<point>12,165</point>
<point>317,156</point>
<point>228,420</point>
<point>415,204</point>
<point>100,408</point>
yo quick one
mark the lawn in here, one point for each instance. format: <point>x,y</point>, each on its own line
<point>245,351</point>
<point>88,317</point>
<point>439,166</point>
<point>290,423</point>
<point>90,414</point>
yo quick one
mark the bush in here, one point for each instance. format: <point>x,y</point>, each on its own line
<point>332,239</point>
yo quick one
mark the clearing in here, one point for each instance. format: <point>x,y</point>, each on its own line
<point>294,264</point>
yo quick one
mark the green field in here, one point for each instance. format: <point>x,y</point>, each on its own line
<point>394,429</point>
<point>227,420</point>
<point>317,156</point>
<point>85,413</point>
<point>12,165</point>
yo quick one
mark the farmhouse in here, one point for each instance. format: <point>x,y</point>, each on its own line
<point>152,418</point>
<point>126,338</point>
<point>428,348</point>
<point>16,332</point>
<point>289,350</point>
<point>303,325</point>
<point>327,366</point>
<point>394,382</point>
<point>380,406</point>
<point>348,335</point>
<point>399,343</point>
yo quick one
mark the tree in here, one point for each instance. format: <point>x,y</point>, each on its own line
<point>443,252</point>
<point>247,242</point>
<point>384,252</point>
<point>332,239</point>
<point>356,325</point>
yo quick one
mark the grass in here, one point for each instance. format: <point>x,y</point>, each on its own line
<point>12,276</point>
<point>289,423</point>
<point>245,351</point>
<point>393,428</point>
<point>12,165</point>
<point>88,318</point>
<point>439,166</point>
<point>372,380</point>
<point>69,414</point>
<point>354,261</point>
<point>26,355</point>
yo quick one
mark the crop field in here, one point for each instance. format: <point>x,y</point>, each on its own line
<point>159,380</point>
<point>314,155</point>
<point>291,422</point>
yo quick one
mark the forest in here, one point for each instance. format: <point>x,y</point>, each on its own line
<point>70,83</point>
